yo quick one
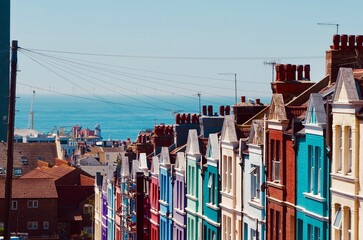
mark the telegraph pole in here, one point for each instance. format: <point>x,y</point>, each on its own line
<point>10,150</point>
<point>235,84</point>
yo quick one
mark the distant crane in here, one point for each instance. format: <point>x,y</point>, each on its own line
<point>31,114</point>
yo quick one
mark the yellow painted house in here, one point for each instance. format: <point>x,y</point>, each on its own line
<point>346,172</point>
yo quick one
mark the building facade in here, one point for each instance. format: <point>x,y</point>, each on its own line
<point>313,174</point>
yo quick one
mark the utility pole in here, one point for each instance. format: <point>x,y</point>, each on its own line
<point>331,24</point>
<point>199,95</point>
<point>10,150</point>
<point>272,64</point>
<point>235,84</point>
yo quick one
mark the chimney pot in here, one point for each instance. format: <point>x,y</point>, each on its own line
<point>177,118</point>
<point>282,72</point>
<point>204,111</point>
<point>351,41</point>
<point>336,41</point>
<point>221,110</point>
<point>187,118</point>
<point>243,99</point>
<point>210,110</point>
<point>278,74</point>
<point>228,110</point>
<point>359,41</point>
<point>307,71</point>
<point>344,42</point>
<point>194,118</point>
<point>300,72</point>
<point>258,101</point>
<point>183,118</point>
<point>293,72</point>
<point>287,72</point>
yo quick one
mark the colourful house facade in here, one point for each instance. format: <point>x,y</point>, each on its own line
<point>313,174</point>
<point>194,187</point>
<point>154,199</point>
<point>179,199</point>
<point>166,195</point>
<point>211,185</point>
<point>346,173</point>
<point>254,204</point>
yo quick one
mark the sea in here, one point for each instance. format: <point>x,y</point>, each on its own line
<point>119,117</point>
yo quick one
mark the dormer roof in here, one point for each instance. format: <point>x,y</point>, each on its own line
<point>180,161</point>
<point>316,112</point>
<point>164,156</point>
<point>213,146</point>
<point>345,90</point>
<point>193,143</point>
<point>143,163</point>
<point>229,130</point>
<point>125,171</point>
<point>256,132</point>
<point>135,168</point>
<point>155,166</point>
<point>277,108</point>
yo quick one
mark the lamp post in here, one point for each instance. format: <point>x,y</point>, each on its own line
<point>89,206</point>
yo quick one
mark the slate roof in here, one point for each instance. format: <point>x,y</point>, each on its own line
<point>30,188</point>
<point>32,151</point>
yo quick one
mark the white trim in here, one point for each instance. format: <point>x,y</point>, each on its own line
<point>212,222</point>
<point>212,206</point>
<point>311,214</point>
<point>314,197</point>
<point>179,223</point>
<point>314,129</point>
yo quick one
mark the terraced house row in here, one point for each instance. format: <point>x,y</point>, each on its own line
<point>289,169</point>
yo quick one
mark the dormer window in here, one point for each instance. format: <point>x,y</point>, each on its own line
<point>17,172</point>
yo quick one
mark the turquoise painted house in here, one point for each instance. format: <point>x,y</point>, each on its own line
<point>211,185</point>
<point>194,187</point>
<point>313,174</point>
<point>166,196</point>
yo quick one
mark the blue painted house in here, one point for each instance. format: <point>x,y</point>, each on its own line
<point>254,204</point>
<point>166,196</point>
<point>211,185</point>
<point>313,174</point>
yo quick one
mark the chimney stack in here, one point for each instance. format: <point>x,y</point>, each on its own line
<point>243,99</point>
<point>258,101</point>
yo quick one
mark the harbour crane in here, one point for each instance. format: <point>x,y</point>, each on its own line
<point>31,114</point>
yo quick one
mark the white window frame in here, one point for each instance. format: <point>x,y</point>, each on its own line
<point>14,205</point>
<point>338,219</point>
<point>33,204</point>
<point>45,225</point>
<point>255,182</point>
<point>349,149</point>
<point>32,225</point>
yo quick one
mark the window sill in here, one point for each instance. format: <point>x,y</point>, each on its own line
<point>163,203</point>
<point>347,178</point>
<point>212,206</point>
<point>276,185</point>
<point>226,194</point>
<point>191,197</point>
<point>181,212</point>
<point>314,197</point>
<point>255,204</point>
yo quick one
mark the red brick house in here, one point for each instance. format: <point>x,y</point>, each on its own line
<point>74,188</point>
<point>33,208</point>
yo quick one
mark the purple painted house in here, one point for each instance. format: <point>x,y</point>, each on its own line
<point>104,210</point>
<point>179,199</point>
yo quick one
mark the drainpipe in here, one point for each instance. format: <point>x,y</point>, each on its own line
<point>264,153</point>
<point>242,164</point>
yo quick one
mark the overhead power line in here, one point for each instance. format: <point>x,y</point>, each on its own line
<point>176,57</point>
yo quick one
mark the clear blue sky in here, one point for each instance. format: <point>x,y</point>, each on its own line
<point>254,31</point>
